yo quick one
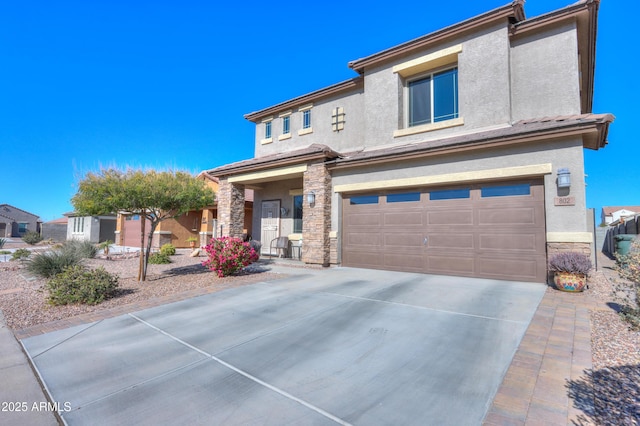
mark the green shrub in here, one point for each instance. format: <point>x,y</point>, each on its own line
<point>5,252</point>
<point>168,249</point>
<point>79,285</point>
<point>20,254</point>
<point>2,242</point>
<point>159,258</point>
<point>49,264</point>
<point>31,237</point>
<point>82,249</point>
<point>628,291</point>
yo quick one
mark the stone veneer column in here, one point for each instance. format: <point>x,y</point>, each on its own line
<point>230,208</point>
<point>316,219</point>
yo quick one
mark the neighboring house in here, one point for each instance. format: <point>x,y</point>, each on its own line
<point>95,229</point>
<point>613,214</point>
<point>55,230</point>
<point>200,224</point>
<point>447,154</point>
<point>15,222</point>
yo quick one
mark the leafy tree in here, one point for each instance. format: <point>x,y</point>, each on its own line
<point>154,195</point>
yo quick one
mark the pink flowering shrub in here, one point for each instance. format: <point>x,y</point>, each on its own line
<point>228,255</point>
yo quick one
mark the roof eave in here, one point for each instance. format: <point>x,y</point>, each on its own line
<point>513,12</point>
<point>335,89</point>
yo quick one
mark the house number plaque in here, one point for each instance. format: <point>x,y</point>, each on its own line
<point>565,201</point>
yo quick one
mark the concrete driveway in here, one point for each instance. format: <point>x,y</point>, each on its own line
<point>346,346</point>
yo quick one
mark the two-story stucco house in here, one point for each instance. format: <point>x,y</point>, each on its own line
<point>459,152</point>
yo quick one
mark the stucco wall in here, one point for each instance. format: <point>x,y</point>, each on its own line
<point>483,79</point>
<point>321,119</point>
<point>545,74</point>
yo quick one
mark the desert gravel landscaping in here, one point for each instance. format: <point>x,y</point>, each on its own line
<point>23,297</point>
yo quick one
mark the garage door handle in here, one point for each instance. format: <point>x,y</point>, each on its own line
<point>426,240</point>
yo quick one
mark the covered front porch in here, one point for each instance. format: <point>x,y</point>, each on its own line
<point>292,204</point>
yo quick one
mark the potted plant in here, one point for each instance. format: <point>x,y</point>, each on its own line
<point>570,270</point>
<point>192,242</point>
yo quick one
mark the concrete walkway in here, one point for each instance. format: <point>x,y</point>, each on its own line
<point>555,349</point>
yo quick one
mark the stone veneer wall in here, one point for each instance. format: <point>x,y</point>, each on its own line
<point>317,217</point>
<point>231,208</point>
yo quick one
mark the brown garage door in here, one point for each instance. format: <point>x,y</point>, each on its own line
<point>492,230</point>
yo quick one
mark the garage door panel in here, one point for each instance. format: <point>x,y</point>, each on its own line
<point>363,219</point>
<point>366,239</point>
<point>363,259</point>
<point>403,240</point>
<point>404,219</point>
<point>500,237</point>
<point>516,241</point>
<point>448,217</point>
<point>451,241</point>
<point>511,216</point>
<point>450,265</point>
<point>510,268</point>
<point>413,262</point>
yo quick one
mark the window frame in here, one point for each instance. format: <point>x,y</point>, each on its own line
<point>423,76</point>
<point>295,209</point>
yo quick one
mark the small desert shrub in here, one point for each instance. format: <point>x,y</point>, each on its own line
<point>82,249</point>
<point>79,285</point>
<point>228,255</point>
<point>628,291</point>
<point>2,242</point>
<point>168,249</point>
<point>31,237</point>
<point>20,254</point>
<point>572,262</point>
<point>49,264</point>
<point>5,252</point>
<point>159,258</point>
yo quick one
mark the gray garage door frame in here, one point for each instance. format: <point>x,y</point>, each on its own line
<point>486,230</point>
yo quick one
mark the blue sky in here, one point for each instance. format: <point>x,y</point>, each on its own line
<point>161,84</point>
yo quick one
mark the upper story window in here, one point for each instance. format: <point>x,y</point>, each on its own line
<point>268,127</point>
<point>305,111</point>
<point>286,124</point>
<point>306,119</point>
<point>267,130</point>
<point>433,98</point>
<point>430,92</point>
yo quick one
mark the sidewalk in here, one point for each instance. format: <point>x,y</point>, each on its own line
<point>23,400</point>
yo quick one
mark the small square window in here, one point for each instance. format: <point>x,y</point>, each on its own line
<point>267,130</point>
<point>363,199</point>
<point>505,190</point>
<point>403,197</point>
<point>306,119</point>
<point>450,194</point>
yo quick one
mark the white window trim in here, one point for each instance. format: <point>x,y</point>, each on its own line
<point>441,58</point>
<point>265,141</point>
<point>309,129</point>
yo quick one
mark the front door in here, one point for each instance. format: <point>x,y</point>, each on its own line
<point>270,223</point>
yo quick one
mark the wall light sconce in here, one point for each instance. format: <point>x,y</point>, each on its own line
<point>311,197</point>
<point>564,178</point>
